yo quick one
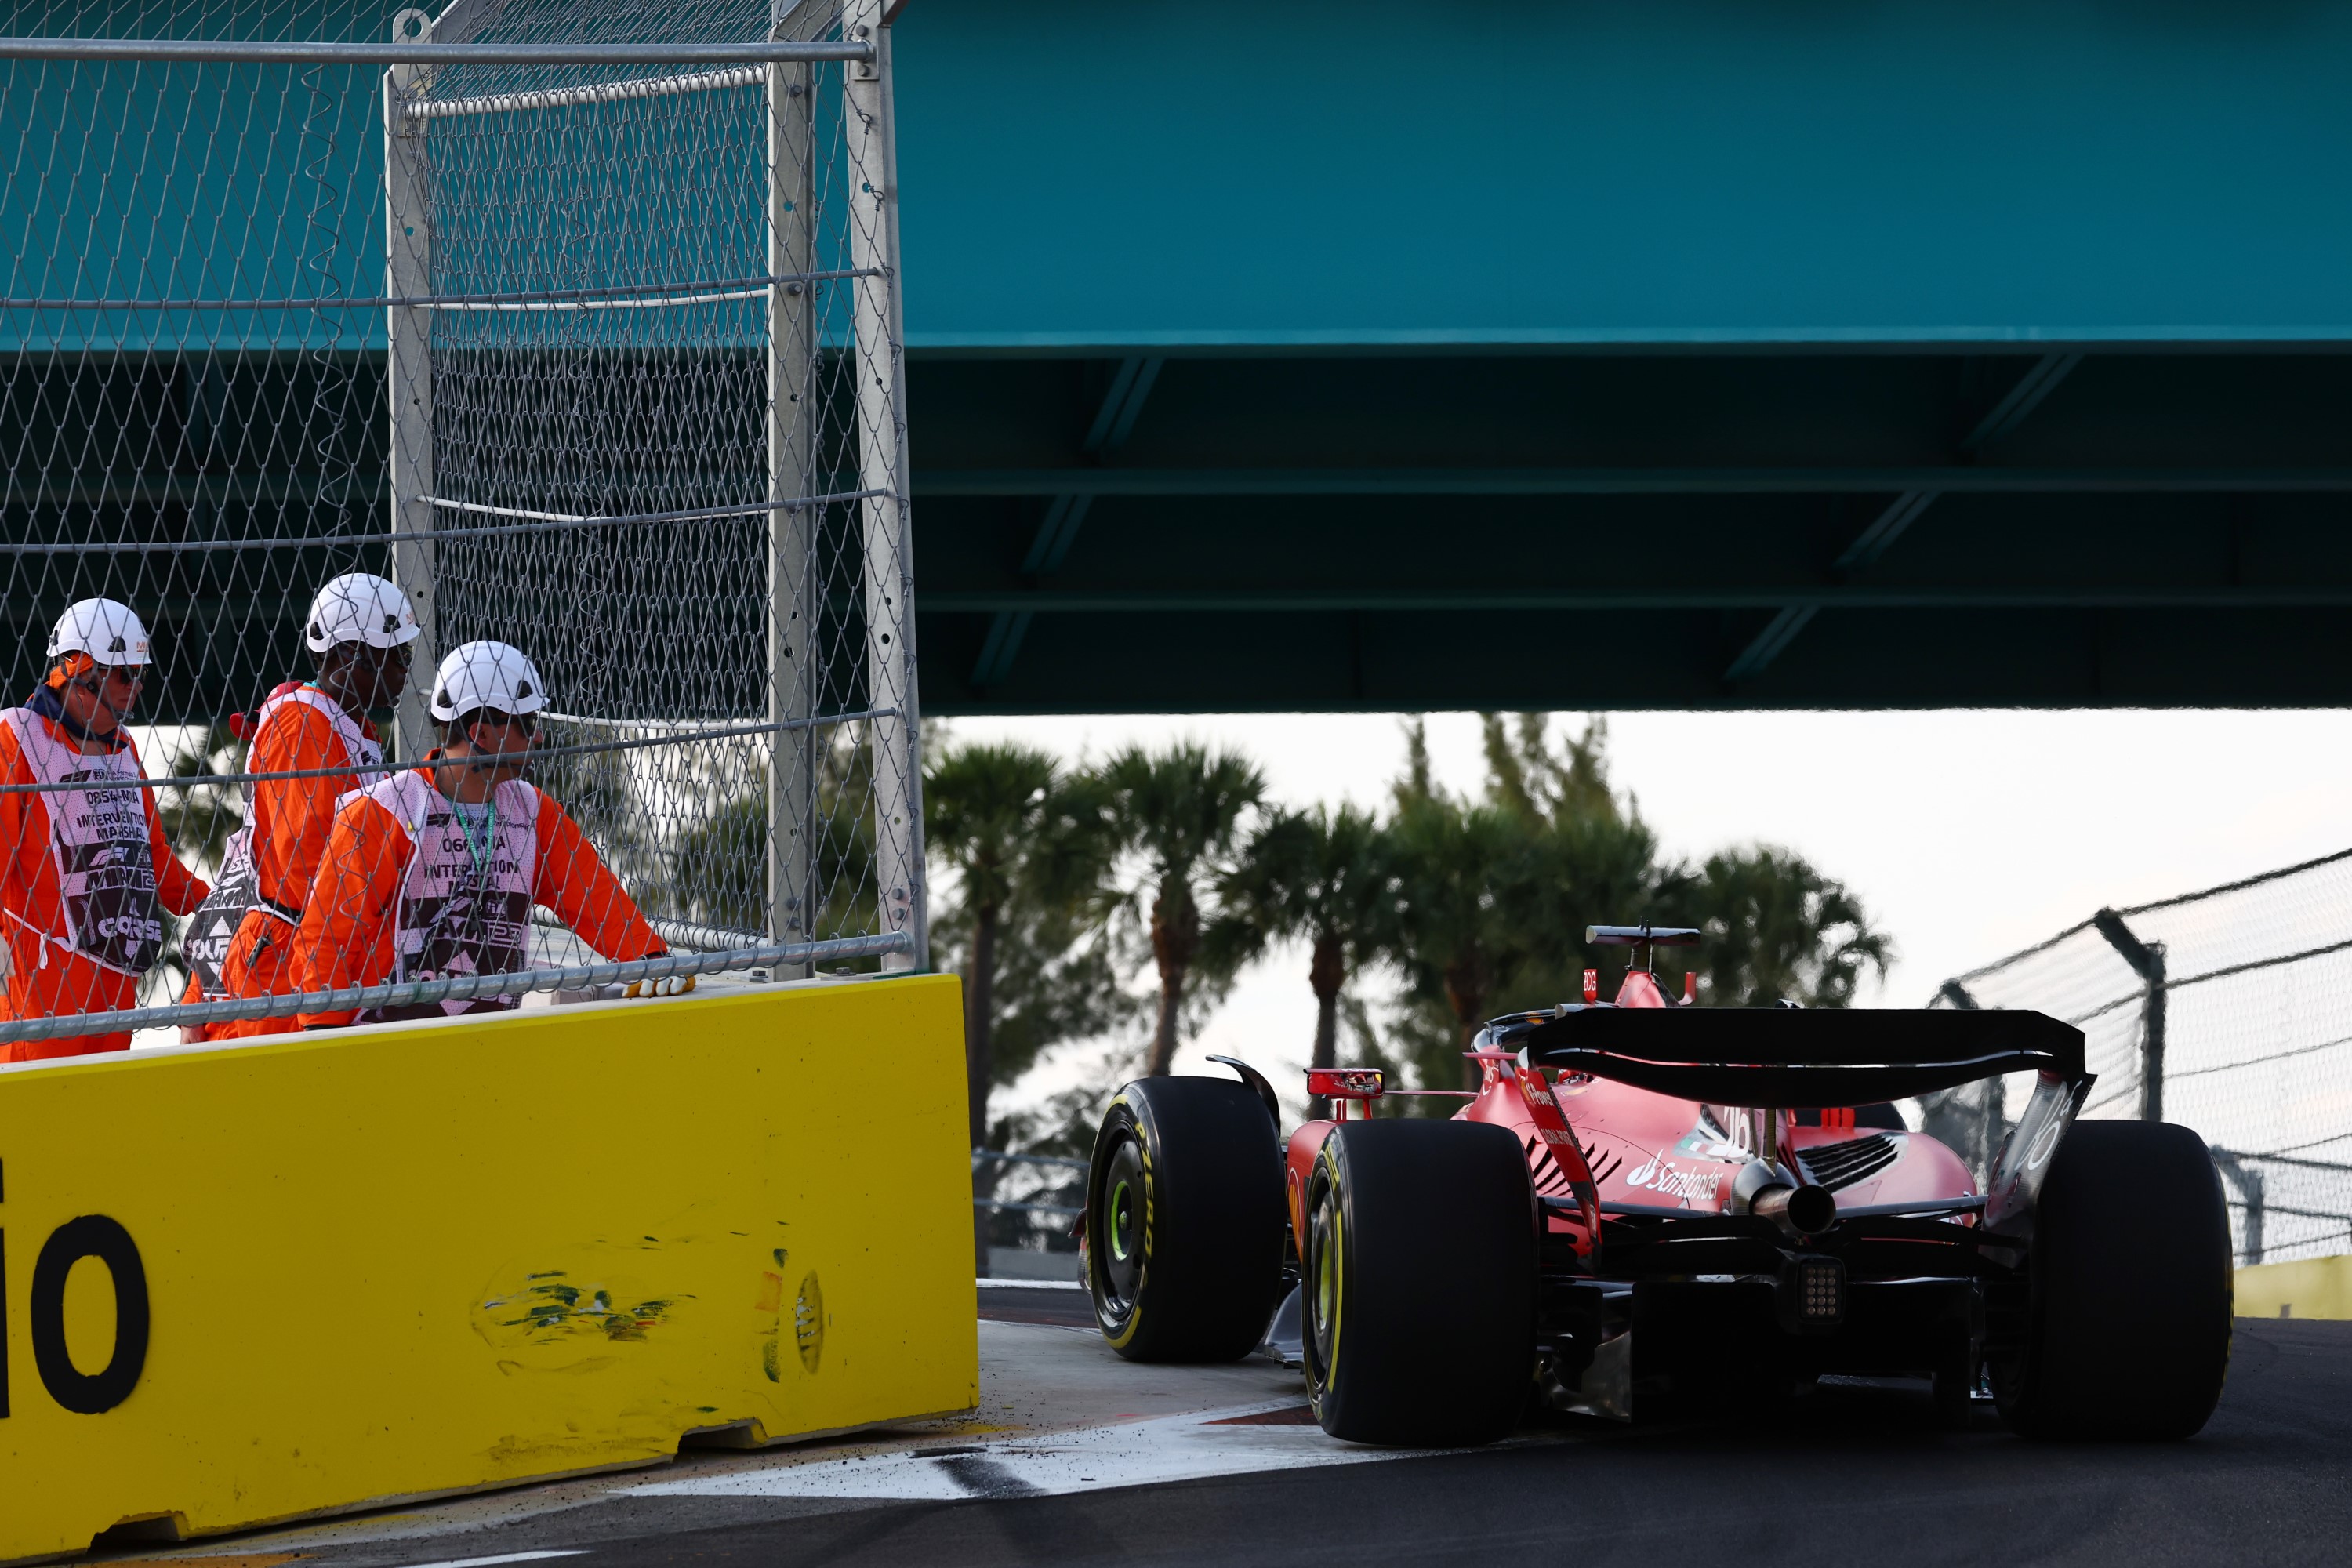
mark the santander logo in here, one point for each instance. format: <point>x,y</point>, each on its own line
<point>1662,1176</point>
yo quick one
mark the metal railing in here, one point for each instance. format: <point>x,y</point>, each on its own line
<point>456,988</point>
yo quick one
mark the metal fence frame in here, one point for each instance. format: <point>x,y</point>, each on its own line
<point>782,62</point>
<point>1974,1119</point>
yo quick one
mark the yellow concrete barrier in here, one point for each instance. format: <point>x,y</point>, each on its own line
<point>2312,1287</point>
<point>249,1284</point>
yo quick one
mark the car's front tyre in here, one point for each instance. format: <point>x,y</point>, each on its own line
<point>1184,1220</point>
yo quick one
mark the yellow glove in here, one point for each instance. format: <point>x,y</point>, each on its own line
<point>667,985</point>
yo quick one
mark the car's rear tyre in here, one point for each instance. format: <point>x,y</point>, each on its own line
<point>1184,1220</point>
<point>2128,1335</point>
<point>1420,1273</point>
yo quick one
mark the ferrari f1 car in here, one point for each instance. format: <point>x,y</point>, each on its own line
<point>1646,1203</point>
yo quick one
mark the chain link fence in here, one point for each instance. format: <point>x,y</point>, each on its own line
<point>2228,1010</point>
<point>580,323</point>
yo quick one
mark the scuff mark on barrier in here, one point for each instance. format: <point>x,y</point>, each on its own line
<point>575,1319</point>
<point>808,1320</point>
<point>552,1310</point>
<point>770,1305</point>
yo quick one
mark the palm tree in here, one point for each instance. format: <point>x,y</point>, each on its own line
<point>1777,930</point>
<point>983,808</point>
<point>1524,774</point>
<point>1458,868</point>
<point>197,820</point>
<point>1322,874</point>
<point>1591,860</point>
<point>1180,810</point>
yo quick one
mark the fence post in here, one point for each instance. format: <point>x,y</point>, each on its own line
<point>408,370</point>
<point>879,369</point>
<point>2147,960</point>
<point>792,412</point>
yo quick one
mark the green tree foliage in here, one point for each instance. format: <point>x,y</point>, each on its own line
<point>197,820</point>
<point>1493,896</point>
<point>716,873</point>
<point>984,811</point>
<point>1029,859</point>
<point>1460,868</point>
<point>1177,815</point>
<point>1588,856</point>
<point>1322,876</point>
<point>1478,901</point>
<point>1777,930</point>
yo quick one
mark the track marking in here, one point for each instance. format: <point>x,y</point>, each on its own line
<point>509,1557</point>
<point>1029,1285</point>
<point>1229,1442</point>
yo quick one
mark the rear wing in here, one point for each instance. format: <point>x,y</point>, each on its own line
<point>1771,1058</point>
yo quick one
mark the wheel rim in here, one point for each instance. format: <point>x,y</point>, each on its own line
<point>1122,1222</point>
<point>1118,1219</point>
<point>1323,1286</point>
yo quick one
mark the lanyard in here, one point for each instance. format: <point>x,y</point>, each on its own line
<point>481,856</point>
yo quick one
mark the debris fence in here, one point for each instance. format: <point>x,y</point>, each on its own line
<point>2228,1010</point>
<point>580,323</point>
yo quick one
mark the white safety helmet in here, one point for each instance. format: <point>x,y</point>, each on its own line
<point>106,629</point>
<point>361,608</point>
<point>487,675</point>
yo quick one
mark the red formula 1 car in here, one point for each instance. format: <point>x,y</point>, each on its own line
<point>1647,1204</point>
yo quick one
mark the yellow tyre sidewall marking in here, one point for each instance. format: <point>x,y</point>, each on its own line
<point>1329,1171</point>
<point>1126,1335</point>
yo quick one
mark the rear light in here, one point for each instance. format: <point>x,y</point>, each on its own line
<point>1813,1293</point>
<point>1344,1083</point>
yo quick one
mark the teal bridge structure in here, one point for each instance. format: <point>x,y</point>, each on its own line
<point>1574,353</point>
<point>1700,353</point>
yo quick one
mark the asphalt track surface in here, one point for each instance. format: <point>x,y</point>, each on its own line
<point>1855,1474</point>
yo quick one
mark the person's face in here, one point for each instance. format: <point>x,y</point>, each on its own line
<point>102,696</point>
<point>506,737</point>
<point>366,678</point>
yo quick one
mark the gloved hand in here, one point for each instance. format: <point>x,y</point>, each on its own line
<point>667,985</point>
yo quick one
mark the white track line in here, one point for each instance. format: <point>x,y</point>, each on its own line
<point>1093,1459</point>
<point>1029,1284</point>
<point>509,1557</point>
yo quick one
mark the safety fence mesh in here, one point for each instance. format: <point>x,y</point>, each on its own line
<point>598,358</point>
<point>2228,1010</point>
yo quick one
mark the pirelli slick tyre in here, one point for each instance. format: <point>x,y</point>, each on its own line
<point>1184,1221</point>
<point>1420,1283</point>
<point>2128,1333</point>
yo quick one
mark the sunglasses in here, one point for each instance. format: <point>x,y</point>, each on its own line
<point>499,719</point>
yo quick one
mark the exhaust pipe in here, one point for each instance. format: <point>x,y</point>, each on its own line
<point>1801,1211</point>
<point>1771,1190</point>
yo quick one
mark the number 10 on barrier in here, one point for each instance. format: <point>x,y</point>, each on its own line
<point>86,1393</point>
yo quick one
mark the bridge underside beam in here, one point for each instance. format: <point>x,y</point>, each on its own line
<point>1351,532</point>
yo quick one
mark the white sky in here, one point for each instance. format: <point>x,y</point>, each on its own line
<point>1967,834</point>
